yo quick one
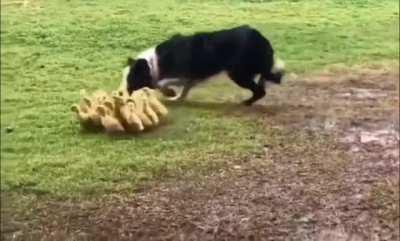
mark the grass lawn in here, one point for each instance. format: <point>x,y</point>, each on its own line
<point>52,49</point>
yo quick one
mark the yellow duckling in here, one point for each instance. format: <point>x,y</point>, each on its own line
<point>110,105</point>
<point>100,96</point>
<point>131,119</point>
<point>92,113</point>
<point>139,107</point>
<point>82,115</point>
<point>120,98</point>
<point>82,104</point>
<point>110,123</point>
<point>118,103</point>
<point>123,95</point>
<point>112,108</point>
<point>155,104</point>
<point>150,112</point>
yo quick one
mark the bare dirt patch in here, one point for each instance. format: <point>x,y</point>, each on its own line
<point>329,171</point>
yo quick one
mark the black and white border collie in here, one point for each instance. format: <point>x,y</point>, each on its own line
<point>242,53</point>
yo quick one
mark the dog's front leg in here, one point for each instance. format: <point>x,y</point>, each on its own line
<point>185,91</point>
<point>165,84</point>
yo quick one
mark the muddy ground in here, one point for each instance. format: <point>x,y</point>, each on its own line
<point>329,170</point>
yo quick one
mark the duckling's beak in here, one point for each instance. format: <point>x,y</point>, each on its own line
<point>75,108</point>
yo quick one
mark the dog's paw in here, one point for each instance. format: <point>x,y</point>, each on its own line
<point>168,92</point>
<point>176,98</point>
<point>247,102</point>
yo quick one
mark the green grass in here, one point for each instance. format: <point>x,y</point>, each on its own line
<point>52,49</point>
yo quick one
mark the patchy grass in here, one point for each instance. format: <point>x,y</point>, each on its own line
<point>304,176</point>
<point>51,49</point>
<point>385,198</point>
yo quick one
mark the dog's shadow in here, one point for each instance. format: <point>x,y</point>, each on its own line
<point>232,108</point>
<point>213,106</point>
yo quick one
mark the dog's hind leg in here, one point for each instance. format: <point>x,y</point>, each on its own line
<point>246,81</point>
<point>276,73</point>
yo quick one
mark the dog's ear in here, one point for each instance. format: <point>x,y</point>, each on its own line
<point>141,68</point>
<point>139,76</point>
<point>131,61</point>
<point>176,35</point>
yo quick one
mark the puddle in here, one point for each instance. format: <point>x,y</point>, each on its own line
<point>382,137</point>
<point>361,93</point>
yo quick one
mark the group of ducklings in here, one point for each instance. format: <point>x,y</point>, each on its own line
<point>120,112</point>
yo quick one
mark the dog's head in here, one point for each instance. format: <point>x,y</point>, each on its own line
<point>137,75</point>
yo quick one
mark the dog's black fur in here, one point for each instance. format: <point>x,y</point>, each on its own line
<point>242,52</point>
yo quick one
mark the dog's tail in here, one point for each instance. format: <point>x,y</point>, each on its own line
<point>276,73</point>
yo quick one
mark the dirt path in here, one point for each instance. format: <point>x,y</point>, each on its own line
<point>330,171</point>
